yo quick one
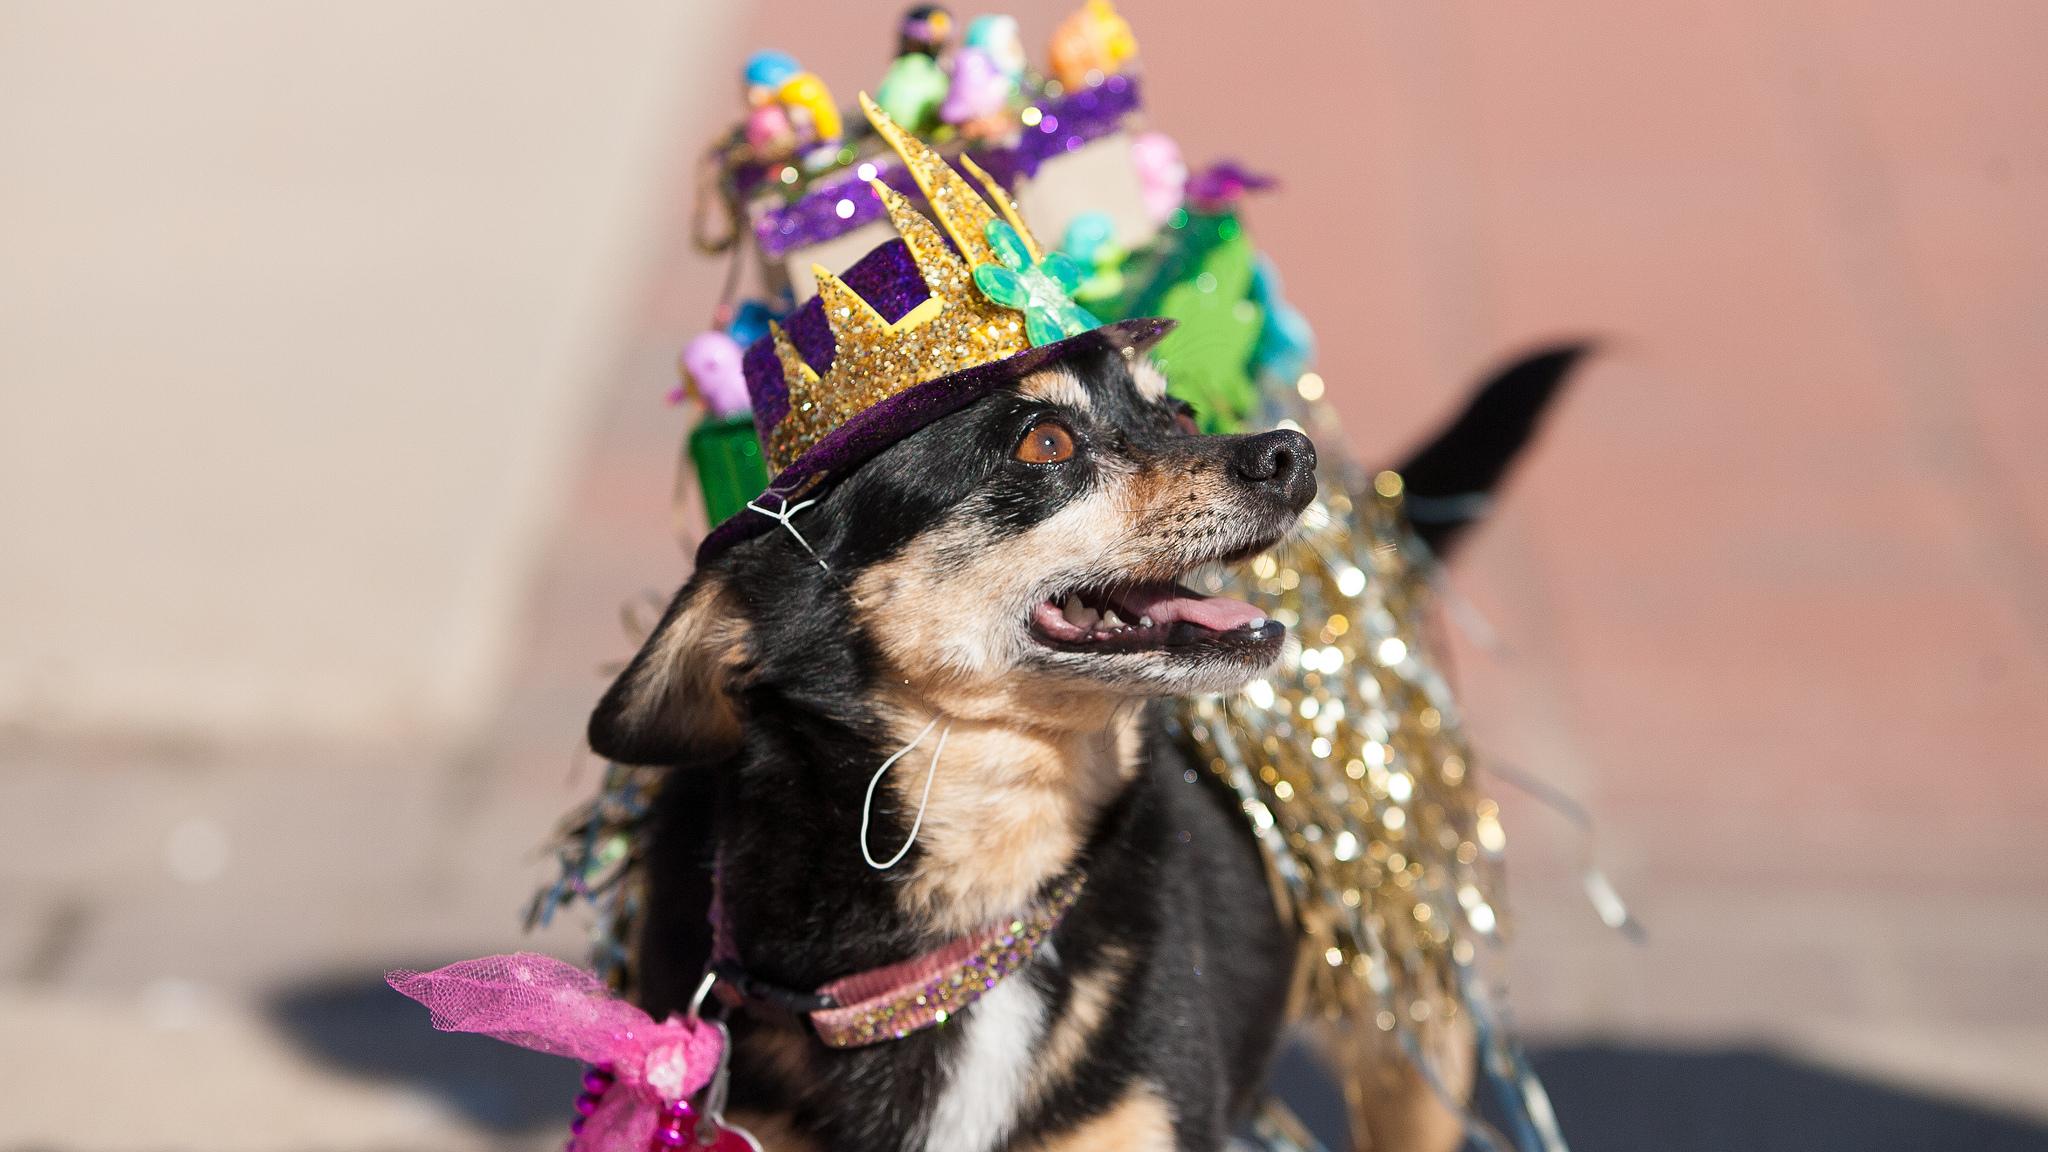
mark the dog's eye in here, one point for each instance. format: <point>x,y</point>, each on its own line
<point>1048,442</point>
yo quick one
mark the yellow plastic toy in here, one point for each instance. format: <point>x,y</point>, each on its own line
<point>810,103</point>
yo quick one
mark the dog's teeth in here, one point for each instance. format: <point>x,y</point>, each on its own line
<point>1144,621</point>
<point>1077,613</point>
<point>1110,620</point>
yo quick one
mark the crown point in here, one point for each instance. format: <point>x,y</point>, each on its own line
<point>954,328</point>
<point>1003,202</point>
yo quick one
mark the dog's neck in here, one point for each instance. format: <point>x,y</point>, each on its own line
<point>1011,808</point>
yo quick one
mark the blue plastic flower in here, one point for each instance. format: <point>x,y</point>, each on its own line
<point>1041,289</point>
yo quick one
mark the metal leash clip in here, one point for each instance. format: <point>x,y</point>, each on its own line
<point>702,1124</point>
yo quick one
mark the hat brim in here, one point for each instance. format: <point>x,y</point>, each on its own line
<point>876,428</point>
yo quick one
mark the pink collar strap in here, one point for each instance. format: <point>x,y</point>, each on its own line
<point>645,1074</point>
<point>922,992</point>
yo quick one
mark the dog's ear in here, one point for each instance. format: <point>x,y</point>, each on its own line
<point>673,704</point>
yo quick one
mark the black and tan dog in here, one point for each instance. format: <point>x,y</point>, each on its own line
<point>1009,573</point>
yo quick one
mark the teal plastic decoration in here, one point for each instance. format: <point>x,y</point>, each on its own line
<point>1042,289</point>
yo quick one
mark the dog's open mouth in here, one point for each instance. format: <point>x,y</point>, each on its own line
<point>1152,617</point>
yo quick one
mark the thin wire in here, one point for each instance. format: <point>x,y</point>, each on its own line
<point>1600,891</point>
<point>867,805</point>
<point>782,518</point>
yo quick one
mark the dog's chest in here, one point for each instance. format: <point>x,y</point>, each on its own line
<point>989,1081</point>
<point>986,1081</point>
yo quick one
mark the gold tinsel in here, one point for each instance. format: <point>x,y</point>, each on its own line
<point>1354,772</point>
<point>1351,764</point>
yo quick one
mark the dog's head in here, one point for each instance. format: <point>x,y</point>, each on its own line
<point>1020,559</point>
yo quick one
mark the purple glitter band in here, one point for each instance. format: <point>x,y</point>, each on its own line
<point>817,216</point>
<point>1065,124</point>
<point>876,428</point>
<point>887,278</point>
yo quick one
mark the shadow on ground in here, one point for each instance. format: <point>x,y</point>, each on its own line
<point>358,1026</point>
<point>1609,1098</point>
<point>1620,1098</point>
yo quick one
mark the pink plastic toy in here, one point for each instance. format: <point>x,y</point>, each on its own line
<point>1162,174</point>
<point>712,362</point>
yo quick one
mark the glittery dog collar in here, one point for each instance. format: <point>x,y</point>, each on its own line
<point>922,992</point>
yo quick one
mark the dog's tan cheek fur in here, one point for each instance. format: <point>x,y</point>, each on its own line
<point>1140,1122</point>
<point>949,613</point>
<point>929,609</point>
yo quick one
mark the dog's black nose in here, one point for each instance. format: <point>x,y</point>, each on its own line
<point>1282,461</point>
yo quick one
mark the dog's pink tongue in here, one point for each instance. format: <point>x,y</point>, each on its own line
<point>1166,604</point>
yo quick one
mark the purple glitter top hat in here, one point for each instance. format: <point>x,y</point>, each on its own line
<point>919,328</point>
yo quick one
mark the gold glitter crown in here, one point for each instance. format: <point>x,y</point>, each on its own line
<point>956,328</point>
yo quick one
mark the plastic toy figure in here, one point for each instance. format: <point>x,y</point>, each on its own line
<point>1090,45</point>
<point>1162,174</point>
<point>927,30</point>
<point>770,135</point>
<point>1000,38</point>
<point>978,103</point>
<point>811,110</point>
<point>916,82</point>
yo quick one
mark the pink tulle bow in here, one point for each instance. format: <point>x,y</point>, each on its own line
<point>541,1003</point>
